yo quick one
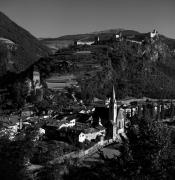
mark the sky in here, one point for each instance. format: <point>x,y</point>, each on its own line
<point>54,18</point>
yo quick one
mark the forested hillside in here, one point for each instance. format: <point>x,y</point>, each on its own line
<point>23,50</point>
<point>135,69</point>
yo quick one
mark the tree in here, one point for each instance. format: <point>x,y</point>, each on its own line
<point>18,92</point>
<point>13,155</point>
<point>150,143</point>
<point>44,105</point>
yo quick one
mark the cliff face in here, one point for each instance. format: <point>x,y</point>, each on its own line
<point>158,50</point>
<point>18,48</point>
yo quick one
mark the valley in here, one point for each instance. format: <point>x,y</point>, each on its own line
<point>86,103</point>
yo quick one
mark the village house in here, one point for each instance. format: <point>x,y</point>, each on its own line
<point>131,110</point>
<point>91,134</point>
<point>75,129</point>
<point>67,123</point>
<point>82,132</point>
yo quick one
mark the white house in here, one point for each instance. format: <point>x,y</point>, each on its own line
<point>66,123</point>
<point>91,133</point>
<point>82,137</point>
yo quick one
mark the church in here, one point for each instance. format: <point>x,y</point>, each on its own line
<point>112,118</point>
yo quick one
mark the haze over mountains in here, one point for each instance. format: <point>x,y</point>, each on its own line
<point>26,49</point>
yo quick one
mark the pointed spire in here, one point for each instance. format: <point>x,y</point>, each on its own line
<point>114,97</point>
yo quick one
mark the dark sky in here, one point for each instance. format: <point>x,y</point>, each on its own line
<point>53,18</point>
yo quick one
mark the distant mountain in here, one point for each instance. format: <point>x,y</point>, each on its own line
<point>18,48</point>
<point>64,41</point>
<point>67,40</point>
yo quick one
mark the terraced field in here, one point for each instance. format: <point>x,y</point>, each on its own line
<point>59,82</point>
<point>86,66</point>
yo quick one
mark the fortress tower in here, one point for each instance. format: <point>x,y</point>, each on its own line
<point>36,77</point>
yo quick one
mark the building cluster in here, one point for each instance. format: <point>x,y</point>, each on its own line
<point>89,125</point>
<point>11,125</point>
<point>157,110</point>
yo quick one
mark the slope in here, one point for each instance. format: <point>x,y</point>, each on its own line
<point>25,51</point>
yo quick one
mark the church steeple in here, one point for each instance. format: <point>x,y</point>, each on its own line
<point>114,105</point>
<point>113,93</point>
<point>114,114</point>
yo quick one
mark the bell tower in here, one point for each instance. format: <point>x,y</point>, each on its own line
<point>114,114</point>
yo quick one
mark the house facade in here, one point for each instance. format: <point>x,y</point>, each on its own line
<point>91,134</point>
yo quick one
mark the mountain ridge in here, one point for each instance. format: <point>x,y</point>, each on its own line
<point>67,40</point>
<point>28,48</point>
